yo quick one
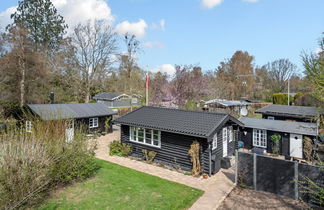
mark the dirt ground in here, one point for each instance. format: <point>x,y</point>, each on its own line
<point>242,199</point>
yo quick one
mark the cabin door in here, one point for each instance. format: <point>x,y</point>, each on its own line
<point>69,131</point>
<point>296,145</point>
<point>225,142</point>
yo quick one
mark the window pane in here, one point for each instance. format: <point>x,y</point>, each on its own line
<point>148,136</point>
<point>155,143</point>
<point>140,134</point>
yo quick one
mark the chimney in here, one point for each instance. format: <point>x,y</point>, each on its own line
<point>52,95</point>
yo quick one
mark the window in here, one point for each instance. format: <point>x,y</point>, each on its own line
<point>259,138</point>
<point>93,122</point>
<point>214,144</point>
<point>145,136</point>
<point>230,133</point>
<point>225,135</point>
<point>28,126</point>
<point>270,118</point>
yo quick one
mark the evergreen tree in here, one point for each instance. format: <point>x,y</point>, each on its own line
<point>44,26</point>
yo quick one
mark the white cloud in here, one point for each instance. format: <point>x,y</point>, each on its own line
<point>135,28</point>
<point>162,24</point>
<point>165,68</point>
<point>317,51</point>
<point>76,11</point>
<point>151,44</point>
<point>5,17</point>
<point>73,12</point>
<point>159,26</point>
<point>251,1</point>
<point>210,3</point>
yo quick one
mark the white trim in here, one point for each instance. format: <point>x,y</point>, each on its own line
<point>259,138</point>
<point>230,133</point>
<point>93,122</point>
<point>214,142</point>
<point>29,126</point>
<point>152,133</point>
<point>270,118</point>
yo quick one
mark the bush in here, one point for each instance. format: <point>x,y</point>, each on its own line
<point>33,164</point>
<point>119,149</point>
<point>275,143</point>
<point>281,98</point>
<point>149,155</point>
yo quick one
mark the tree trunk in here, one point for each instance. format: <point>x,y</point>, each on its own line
<point>21,64</point>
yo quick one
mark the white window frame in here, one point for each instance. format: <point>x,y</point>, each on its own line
<point>29,126</point>
<point>270,118</point>
<point>225,134</point>
<point>230,133</point>
<point>214,142</point>
<point>93,122</point>
<point>133,138</point>
<point>259,138</point>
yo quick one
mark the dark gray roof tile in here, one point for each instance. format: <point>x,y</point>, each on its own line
<point>174,120</point>
<point>67,111</point>
<point>280,125</point>
<point>285,110</point>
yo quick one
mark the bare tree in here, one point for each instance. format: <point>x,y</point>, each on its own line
<point>95,44</point>
<point>128,59</point>
<point>279,72</point>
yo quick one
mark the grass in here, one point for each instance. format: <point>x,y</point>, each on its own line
<point>117,187</point>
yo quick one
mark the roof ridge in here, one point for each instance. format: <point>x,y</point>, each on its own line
<point>184,110</point>
<point>294,122</point>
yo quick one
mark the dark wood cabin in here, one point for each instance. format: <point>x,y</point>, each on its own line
<point>170,132</point>
<point>257,134</point>
<point>92,117</point>
<point>291,113</point>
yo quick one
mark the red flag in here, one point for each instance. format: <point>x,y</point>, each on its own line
<point>147,81</point>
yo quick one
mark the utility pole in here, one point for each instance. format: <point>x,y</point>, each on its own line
<point>147,87</point>
<point>288,92</point>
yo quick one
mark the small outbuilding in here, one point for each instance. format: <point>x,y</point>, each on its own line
<point>291,113</point>
<point>94,117</point>
<point>115,100</point>
<point>257,133</point>
<point>170,133</point>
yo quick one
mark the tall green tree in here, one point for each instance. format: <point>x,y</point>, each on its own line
<point>44,25</point>
<point>314,70</point>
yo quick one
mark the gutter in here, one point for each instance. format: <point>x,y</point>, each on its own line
<point>209,159</point>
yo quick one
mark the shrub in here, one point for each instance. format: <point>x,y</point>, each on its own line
<point>33,164</point>
<point>195,159</point>
<point>281,98</point>
<point>149,155</point>
<point>275,143</point>
<point>119,149</point>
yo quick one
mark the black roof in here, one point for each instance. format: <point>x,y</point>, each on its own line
<point>193,123</point>
<point>70,111</point>
<point>105,96</point>
<point>281,126</point>
<point>290,111</point>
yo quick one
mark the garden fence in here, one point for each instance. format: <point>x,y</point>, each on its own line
<point>282,177</point>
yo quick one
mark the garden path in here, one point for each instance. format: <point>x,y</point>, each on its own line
<point>216,187</point>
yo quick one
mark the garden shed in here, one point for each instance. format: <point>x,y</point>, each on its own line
<point>291,113</point>
<point>258,133</point>
<point>94,117</point>
<point>171,132</point>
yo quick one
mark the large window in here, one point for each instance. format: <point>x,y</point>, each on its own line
<point>259,138</point>
<point>214,144</point>
<point>93,122</point>
<point>29,126</point>
<point>145,136</point>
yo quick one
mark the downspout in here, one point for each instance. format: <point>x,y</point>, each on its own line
<point>209,153</point>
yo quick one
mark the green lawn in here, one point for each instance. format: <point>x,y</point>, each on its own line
<point>117,187</point>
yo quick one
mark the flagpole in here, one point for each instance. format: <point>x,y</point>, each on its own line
<point>147,80</point>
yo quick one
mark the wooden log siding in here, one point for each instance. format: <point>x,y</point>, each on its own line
<point>173,151</point>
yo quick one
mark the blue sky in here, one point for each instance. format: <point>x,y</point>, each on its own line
<point>206,32</point>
